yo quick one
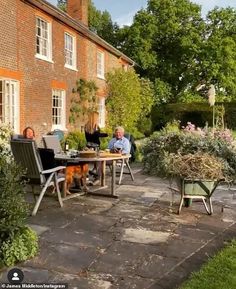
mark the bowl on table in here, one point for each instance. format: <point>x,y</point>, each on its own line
<point>87,154</point>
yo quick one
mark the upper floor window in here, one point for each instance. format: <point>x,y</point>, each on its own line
<point>9,103</point>
<point>43,39</point>
<point>70,51</point>
<point>101,112</point>
<point>100,64</point>
<point>58,109</point>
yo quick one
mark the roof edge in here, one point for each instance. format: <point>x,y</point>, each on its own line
<point>77,25</point>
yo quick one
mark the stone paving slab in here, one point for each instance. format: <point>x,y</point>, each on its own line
<point>63,257</point>
<point>78,237</point>
<point>134,242</point>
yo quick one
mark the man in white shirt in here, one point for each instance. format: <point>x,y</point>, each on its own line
<point>119,143</point>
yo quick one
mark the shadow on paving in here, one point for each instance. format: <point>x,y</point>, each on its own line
<point>136,241</point>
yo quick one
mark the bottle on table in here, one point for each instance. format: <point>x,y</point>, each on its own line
<point>66,148</point>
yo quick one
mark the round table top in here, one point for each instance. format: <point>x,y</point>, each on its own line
<point>91,159</point>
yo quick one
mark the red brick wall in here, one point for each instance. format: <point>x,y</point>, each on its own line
<point>37,77</point>
<point>111,62</point>
<point>40,73</point>
<point>78,9</point>
<point>8,34</point>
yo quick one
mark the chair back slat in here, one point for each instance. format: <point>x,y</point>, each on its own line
<point>52,142</point>
<point>25,154</point>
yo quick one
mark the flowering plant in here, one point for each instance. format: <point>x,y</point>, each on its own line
<point>222,134</point>
<point>5,135</point>
<point>189,140</point>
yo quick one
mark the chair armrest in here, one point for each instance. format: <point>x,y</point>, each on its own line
<point>56,169</point>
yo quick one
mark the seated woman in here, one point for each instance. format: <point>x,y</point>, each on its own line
<point>28,133</point>
<point>48,162</point>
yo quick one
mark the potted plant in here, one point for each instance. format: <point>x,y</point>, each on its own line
<point>198,176</point>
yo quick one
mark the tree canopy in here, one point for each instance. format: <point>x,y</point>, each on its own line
<point>218,57</point>
<point>62,4</point>
<point>177,49</point>
<point>99,22</point>
<point>130,98</point>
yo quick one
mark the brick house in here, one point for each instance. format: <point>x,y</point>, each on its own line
<point>43,52</point>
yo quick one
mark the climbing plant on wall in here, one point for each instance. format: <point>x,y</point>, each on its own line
<point>84,100</point>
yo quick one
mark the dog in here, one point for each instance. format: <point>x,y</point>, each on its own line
<point>80,172</point>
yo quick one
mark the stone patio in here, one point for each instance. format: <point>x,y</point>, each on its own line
<point>134,242</point>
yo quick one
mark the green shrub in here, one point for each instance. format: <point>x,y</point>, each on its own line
<point>13,207</point>
<point>184,142</point>
<point>199,113</point>
<point>136,134</point>
<point>16,241</point>
<point>145,126</point>
<point>19,247</point>
<point>172,126</point>
<point>138,153</point>
<point>76,140</point>
<point>104,142</point>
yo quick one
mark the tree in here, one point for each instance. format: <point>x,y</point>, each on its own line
<point>130,98</point>
<point>101,23</point>
<point>165,40</point>
<point>144,123</point>
<point>61,4</point>
<point>218,58</point>
<point>177,49</point>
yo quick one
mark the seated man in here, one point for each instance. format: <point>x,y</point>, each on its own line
<point>119,144</point>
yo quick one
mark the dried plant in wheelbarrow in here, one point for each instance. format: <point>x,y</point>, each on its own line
<point>196,166</point>
<point>198,175</point>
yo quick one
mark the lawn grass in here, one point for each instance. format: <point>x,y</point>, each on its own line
<point>218,273</point>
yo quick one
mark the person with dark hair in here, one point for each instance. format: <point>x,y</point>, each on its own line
<point>46,155</point>
<point>28,133</point>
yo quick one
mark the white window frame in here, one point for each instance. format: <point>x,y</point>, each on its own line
<point>100,65</point>
<point>58,109</point>
<point>10,103</point>
<point>70,51</point>
<point>101,112</point>
<point>43,39</point>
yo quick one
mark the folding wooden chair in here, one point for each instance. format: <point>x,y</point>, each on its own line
<point>124,169</point>
<point>25,154</point>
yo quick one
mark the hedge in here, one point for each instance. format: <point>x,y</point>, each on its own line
<point>197,113</point>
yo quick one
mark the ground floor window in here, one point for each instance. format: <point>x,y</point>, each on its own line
<point>58,109</point>
<point>9,103</point>
<point>102,112</point>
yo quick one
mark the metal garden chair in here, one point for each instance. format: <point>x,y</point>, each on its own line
<point>52,142</point>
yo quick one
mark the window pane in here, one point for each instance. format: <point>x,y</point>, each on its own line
<point>8,100</point>
<point>57,107</point>
<point>42,37</point>
<point>100,64</point>
<point>69,50</point>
